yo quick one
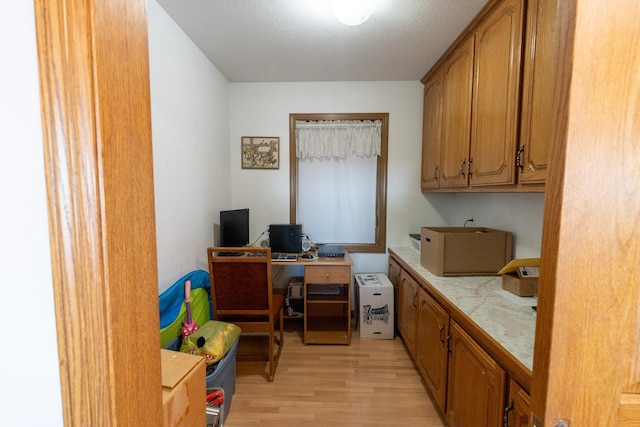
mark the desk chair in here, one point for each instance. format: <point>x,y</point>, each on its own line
<point>242,293</point>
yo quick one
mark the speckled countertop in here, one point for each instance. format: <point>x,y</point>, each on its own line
<point>505,317</point>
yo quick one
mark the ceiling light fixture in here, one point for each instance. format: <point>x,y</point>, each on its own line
<point>353,12</point>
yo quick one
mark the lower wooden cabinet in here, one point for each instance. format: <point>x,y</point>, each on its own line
<point>467,384</point>
<point>408,303</point>
<point>432,353</point>
<point>394,277</point>
<point>518,409</point>
<point>476,384</point>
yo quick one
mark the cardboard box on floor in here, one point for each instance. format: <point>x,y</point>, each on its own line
<point>183,389</point>
<point>375,301</point>
<point>464,251</point>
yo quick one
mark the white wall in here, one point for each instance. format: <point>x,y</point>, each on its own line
<point>262,109</point>
<point>190,121</point>
<point>520,213</point>
<point>198,120</point>
<point>30,375</point>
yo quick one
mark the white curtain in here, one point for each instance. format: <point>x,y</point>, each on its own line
<point>337,139</point>
<point>337,170</point>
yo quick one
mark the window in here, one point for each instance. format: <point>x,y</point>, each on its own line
<point>341,201</point>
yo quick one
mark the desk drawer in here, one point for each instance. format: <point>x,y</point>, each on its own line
<point>327,274</point>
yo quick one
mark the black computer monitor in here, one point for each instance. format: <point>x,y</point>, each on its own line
<point>234,228</point>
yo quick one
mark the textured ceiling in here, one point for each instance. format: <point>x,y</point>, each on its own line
<point>301,41</point>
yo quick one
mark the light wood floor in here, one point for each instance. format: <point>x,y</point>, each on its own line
<point>369,383</point>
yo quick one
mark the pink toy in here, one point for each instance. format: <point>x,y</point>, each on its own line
<point>189,325</point>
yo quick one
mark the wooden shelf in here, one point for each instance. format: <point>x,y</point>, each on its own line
<point>286,316</point>
<point>327,330</point>
<point>328,316</point>
<point>342,298</point>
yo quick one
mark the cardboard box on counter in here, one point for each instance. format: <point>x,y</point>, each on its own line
<point>183,389</point>
<point>520,276</point>
<point>521,286</point>
<point>464,251</point>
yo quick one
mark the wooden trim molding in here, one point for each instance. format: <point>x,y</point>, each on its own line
<point>380,244</point>
<point>586,368</point>
<point>94,86</point>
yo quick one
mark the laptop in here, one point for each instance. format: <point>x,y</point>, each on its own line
<point>285,241</point>
<point>331,251</point>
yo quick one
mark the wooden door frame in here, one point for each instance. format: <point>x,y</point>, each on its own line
<point>586,367</point>
<point>380,233</point>
<point>95,104</point>
<point>96,126</point>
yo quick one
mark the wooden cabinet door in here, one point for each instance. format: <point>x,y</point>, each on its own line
<point>518,409</point>
<point>537,91</point>
<point>431,132</point>
<point>494,123</point>
<point>475,386</point>
<point>394,277</point>
<point>431,341</point>
<point>456,116</point>
<point>408,294</point>
<point>394,272</point>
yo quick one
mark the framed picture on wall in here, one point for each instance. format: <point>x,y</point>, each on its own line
<point>260,152</point>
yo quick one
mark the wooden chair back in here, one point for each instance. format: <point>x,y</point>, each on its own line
<point>240,285</point>
<point>242,293</point>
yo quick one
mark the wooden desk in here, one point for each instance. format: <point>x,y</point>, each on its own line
<point>327,317</point>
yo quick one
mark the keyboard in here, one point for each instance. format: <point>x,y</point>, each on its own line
<point>230,253</point>
<point>256,254</point>
<point>280,256</point>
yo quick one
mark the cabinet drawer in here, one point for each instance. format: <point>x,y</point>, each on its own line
<point>327,274</point>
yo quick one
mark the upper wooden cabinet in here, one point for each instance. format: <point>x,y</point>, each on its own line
<point>496,86</point>
<point>456,116</point>
<point>537,90</point>
<point>472,138</point>
<point>431,132</point>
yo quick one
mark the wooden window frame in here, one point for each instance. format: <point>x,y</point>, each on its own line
<point>380,236</point>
